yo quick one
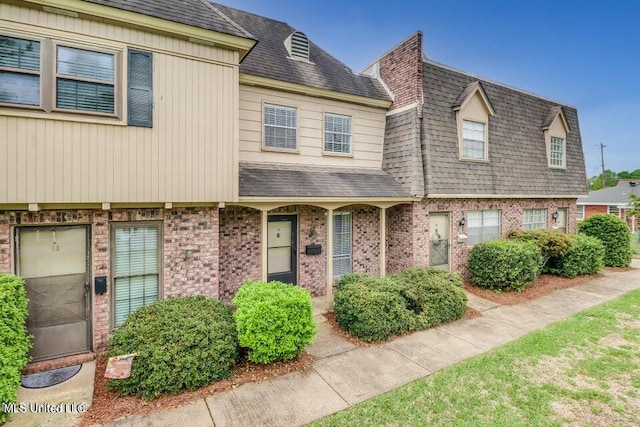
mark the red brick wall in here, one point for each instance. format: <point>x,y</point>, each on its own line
<point>595,209</point>
<point>194,229</point>
<point>409,249</point>
<point>366,239</point>
<point>401,70</point>
<point>240,257</point>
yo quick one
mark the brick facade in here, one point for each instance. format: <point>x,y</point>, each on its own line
<point>595,209</point>
<point>188,229</point>
<point>408,226</point>
<point>401,70</point>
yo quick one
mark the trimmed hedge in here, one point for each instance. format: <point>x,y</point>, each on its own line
<point>504,264</point>
<point>374,309</point>
<point>274,320</point>
<point>585,256</point>
<point>614,234</point>
<point>182,343</point>
<point>552,243</point>
<point>14,341</point>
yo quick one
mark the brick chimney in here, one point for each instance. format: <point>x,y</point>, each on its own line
<point>401,71</point>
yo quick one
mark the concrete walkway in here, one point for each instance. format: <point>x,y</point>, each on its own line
<point>344,374</point>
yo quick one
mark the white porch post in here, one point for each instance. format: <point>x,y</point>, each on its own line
<point>383,242</point>
<point>264,245</point>
<point>329,252</point>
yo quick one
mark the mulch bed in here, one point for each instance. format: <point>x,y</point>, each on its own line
<point>108,405</point>
<point>544,285</point>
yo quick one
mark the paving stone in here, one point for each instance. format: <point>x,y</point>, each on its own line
<point>484,332</point>
<point>193,415</point>
<point>328,343</point>
<point>480,304</point>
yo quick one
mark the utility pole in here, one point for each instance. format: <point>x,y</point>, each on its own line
<point>604,175</point>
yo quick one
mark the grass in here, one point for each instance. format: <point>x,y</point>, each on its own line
<point>635,243</point>
<point>582,371</point>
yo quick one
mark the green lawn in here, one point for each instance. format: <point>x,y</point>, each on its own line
<point>581,371</point>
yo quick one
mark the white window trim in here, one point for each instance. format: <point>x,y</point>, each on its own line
<point>556,130</point>
<point>350,215</point>
<point>48,70</point>
<point>546,219</point>
<point>483,226</point>
<point>613,207</point>
<point>265,147</point>
<point>563,165</point>
<point>334,153</point>
<point>486,139</point>
<point>580,211</point>
<point>112,281</point>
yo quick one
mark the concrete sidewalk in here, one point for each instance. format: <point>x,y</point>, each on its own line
<point>344,374</point>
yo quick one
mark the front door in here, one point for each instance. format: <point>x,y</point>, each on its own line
<point>54,263</point>
<point>562,220</point>
<point>439,240</point>
<point>281,248</point>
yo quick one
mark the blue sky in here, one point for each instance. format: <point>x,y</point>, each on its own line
<point>582,53</point>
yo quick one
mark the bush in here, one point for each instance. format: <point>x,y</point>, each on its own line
<point>552,243</point>
<point>371,309</point>
<point>504,264</point>
<point>274,320</point>
<point>614,234</point>
<point>14,341</point>
<point>434,296</point>
<point>585,256</point>
<point>182,343</point>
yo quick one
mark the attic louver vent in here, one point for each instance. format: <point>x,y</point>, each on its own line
<point>299,45</point>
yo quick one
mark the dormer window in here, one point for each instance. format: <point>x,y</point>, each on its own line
<point>555,130</point>
<point>473,110</point>
<point>298,45</point>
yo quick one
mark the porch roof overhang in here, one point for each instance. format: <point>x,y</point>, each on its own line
<point>298,184</point>
<point>270,203</point>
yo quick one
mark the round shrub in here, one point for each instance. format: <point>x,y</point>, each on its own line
<point>552,243</point>
<point>274,320</point>
<point>182,343</point>
<point>434,296</point>
<point>586,256</point>
<point>504,264</point>
<point>371,309</point>
<point>614,234</point>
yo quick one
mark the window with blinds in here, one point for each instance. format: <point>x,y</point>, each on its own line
<point>337,133</point>
<point>483,226</point>
<point>473,140</point>
<point>342,246</point>
<point>19,71</point>
<point>280,127</point>
<point>135,268</point>
<point>140,90</point>
<point>85,80</point>
<point>534,219</point>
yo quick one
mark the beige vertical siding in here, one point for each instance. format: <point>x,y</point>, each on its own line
<point>367,127</point>
<point>189,156</point>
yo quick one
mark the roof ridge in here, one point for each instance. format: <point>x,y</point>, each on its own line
<point>481,78</point>
<point>250,13</point>
<point>229,20</point>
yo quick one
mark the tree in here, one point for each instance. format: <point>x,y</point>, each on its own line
<point>634,207</point>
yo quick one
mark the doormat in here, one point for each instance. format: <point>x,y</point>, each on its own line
<point>49,378</point>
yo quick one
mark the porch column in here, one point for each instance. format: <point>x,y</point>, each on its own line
<point>329,251</point>
<point>383,242</point>
<point>264,245</point>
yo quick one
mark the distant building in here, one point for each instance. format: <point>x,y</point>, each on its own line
<point>612,200</point>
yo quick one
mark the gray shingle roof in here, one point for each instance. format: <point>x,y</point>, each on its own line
<point>402,157</point>
<point>553,112</point>
<point>197,13</point>
<point>279,180</point>
<point>470,89</point>
<point>517,149</point>
<point>269,58</point>
<point>618,195</point>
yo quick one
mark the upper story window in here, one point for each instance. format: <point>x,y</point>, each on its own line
<point>337,134</point>
<point>557,151</point>
<point>483,226</point>
<point>473,110</point>
<point>85,80</point>
<point>19,71</point>
<point>534,219</point>
<point>556,129</point>
<point>78,80</point>
<point>280,127</point>
<point>473,140</point>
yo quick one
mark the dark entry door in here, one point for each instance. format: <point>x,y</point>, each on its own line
<point>54,264</point>
<point>282,248</point>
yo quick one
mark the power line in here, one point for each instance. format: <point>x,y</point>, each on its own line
<point>604,177</point>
